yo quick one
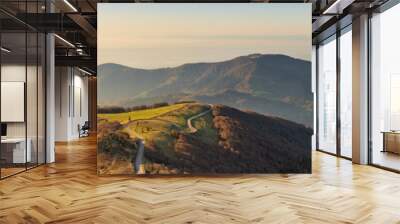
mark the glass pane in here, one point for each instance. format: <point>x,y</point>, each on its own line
<point>394,102</point>
<point>13,86</point>
<point>327,96</point>
<point>31,98</point>
<point>41,99</point>
<point>22,89</point>
<point>31,88</point>
<point>313,87</point>
<point>385,92</point>
<point>346,94</point>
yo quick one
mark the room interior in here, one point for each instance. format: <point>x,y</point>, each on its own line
<point>385,91</point>
<point>48,77</point>
<point>22,102</point>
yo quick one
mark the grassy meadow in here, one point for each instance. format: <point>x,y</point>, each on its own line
<point>125,117</point>
<point>160,129</point>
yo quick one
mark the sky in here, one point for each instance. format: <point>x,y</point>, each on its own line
<point>150,35</point>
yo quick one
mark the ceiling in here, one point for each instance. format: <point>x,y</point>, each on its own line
<point>75,21</point>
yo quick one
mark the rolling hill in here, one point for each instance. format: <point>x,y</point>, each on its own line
<point>221,140</point>
<point>275,85</point>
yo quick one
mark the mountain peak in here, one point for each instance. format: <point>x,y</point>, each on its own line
<point>254,56</point>
<point>259,56</point>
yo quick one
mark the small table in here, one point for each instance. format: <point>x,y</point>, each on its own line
<point>16,153</point>
<point>391,141</point>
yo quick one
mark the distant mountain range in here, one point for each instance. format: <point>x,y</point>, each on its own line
<point>275,85</point>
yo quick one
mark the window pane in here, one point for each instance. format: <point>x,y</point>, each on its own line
<point>41,99</point>
<point>346,94</point>
<point>13,86</point>
<point>327,96</point>
<point>31,97</point>
<point>385,89</point>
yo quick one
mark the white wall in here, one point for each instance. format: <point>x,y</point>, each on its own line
<point>80,110</point>
<point>17,73</point>
<point>33,126</point>
<point>71,94</point>
<point>12,73</point>
<point>62,81</point>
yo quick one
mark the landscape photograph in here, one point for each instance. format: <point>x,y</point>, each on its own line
<point>222,95</point>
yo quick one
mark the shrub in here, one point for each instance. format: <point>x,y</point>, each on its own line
<point>110,110</point>
<point>118,144</point>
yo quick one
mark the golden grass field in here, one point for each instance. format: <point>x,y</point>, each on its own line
<point>124,118</point>
<point>155,124</point>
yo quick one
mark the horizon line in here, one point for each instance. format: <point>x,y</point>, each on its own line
<point>188,63</point>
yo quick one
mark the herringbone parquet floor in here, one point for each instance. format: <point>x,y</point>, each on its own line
<point>69,191</point>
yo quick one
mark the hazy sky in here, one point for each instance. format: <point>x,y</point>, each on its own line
<point>150,35</point>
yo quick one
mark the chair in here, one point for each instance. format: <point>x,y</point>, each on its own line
<point>84,130</point>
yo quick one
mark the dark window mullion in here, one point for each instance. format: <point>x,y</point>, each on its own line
<point>317,96</point>
<point>338,91</point>
<point>369,90</point>
<point>26,87</point>
<point>37,90</point>
<point>0,97</point>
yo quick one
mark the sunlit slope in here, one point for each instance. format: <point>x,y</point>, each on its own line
<point>160,130</point>
<point>220,140</point>
<point>140,114</point>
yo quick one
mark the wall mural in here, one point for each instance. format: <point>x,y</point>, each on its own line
<point>204,88</point>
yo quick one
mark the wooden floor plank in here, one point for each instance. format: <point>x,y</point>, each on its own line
<point>69,191</point>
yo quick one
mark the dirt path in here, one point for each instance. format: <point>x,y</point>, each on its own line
<point>189,121</point>
<point>139,167</point>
